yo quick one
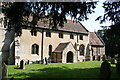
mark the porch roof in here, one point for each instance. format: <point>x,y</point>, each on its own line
<point>61,47</point>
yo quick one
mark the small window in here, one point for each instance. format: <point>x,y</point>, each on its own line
<point>71,36</point>
<point>33,32</point>
<point>35,49</point>
<point>81,37</point>
<point>48,34</point>
<point>60,35</point>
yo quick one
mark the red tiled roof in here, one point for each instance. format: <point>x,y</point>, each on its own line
<point>95,40</point>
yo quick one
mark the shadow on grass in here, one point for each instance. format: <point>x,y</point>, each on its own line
<point>61,72</point>
<point>65,72</point>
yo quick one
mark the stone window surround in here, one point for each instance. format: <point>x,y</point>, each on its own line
<point>35,49</point>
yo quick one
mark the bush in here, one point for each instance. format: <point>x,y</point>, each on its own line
<point>118,68</point>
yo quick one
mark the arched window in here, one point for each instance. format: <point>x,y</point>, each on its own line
<point>82,47</point>
<point>35,49</point>
<point>50,50</point>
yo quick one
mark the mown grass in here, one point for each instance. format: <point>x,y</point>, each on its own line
<point>89,69</point>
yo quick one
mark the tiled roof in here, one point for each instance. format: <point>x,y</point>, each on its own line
<point>69,26</point>
<point>95,40</point>
<point>61,47</point>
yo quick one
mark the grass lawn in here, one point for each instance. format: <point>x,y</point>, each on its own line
<point>89,69</point>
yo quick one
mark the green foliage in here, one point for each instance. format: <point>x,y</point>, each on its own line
<point>111,35</point>
<point>118,68</point>
<point>112,12</point>
<point>17,14</point>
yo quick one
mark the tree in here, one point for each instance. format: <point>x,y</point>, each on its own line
<point>112,12</point>
<point>111,35</point>
<point>17,14</point>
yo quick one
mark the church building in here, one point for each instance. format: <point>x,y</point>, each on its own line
<point>69,44</point>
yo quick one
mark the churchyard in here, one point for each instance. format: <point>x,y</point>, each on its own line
<point>82,70</point>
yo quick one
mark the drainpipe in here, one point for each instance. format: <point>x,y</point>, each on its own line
<point>77,47</point>
<point>42,45</point>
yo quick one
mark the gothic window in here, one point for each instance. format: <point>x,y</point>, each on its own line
<point>35,49</point>
<point>82,47</point>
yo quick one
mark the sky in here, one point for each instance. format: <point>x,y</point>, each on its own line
<point>92,25</point>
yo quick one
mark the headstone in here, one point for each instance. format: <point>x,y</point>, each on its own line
<point>28,62</point>
<point>42,61</point>
<point>22,66</point>
<point>49,60</point>
<point>4,71</point>
<point>46,61</point>
<point>105,70</point>
<point>17,65</point>
<point>98,57</point>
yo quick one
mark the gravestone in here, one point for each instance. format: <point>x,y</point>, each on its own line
<point>4,71</point>
<point>42,61</point>
<point>105,70</point>
<point>17,65</point>
<point>22,66</point>
<point>46,61</point>
<point>28,62</point>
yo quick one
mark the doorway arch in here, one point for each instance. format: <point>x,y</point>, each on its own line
<point>69,57</point>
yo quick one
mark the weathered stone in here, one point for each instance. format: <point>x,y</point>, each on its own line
<point>4,71</point>
<point>105,70</point>
<point>22,66</point>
